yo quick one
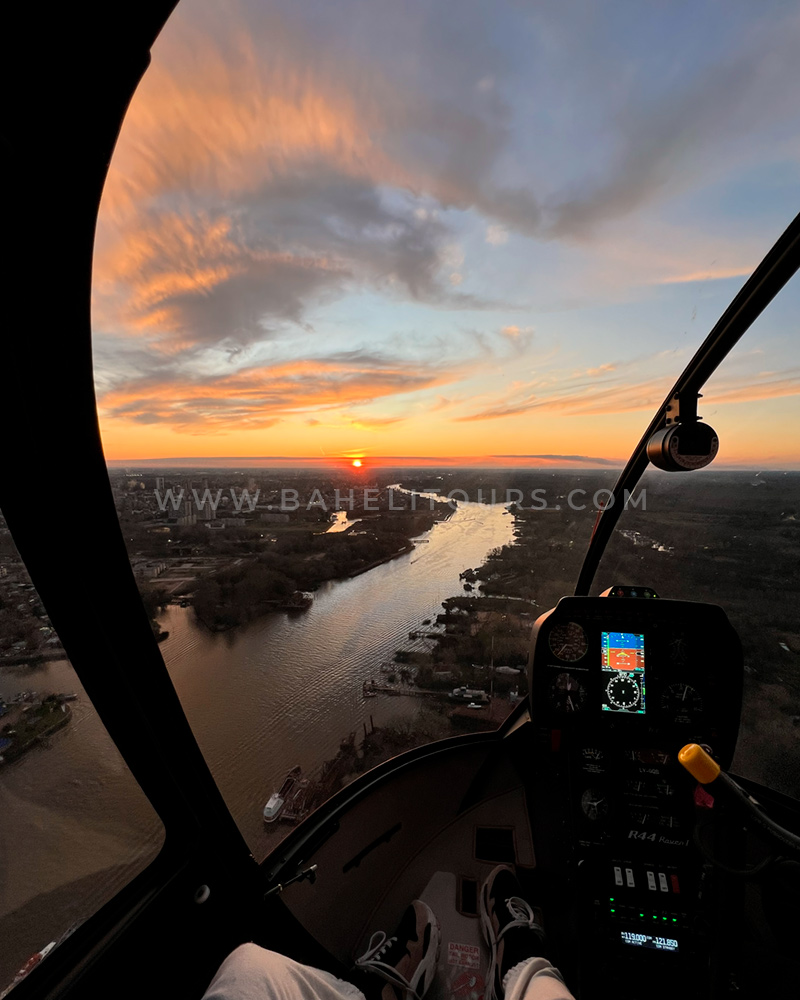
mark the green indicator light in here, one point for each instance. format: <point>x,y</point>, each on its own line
<point>655,917</point>
<point>641,914</point>
<point>611,899</point>
<point>674,920</point>
<point>613,910</point>
<point>663,918</point>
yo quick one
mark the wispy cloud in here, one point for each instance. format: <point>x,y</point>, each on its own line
<point>496,235</point>
<point>259,397</point>
<point>664,140</point>
<point>280,164</point>
<point>621,397</point>
<point>569,459</point>
<point>375,423</point>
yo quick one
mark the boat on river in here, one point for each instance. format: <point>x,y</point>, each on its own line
<point>277,800</point>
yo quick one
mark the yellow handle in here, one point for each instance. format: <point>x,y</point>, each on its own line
<point>698,763</point>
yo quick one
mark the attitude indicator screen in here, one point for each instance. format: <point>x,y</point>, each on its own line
<point>622,665</point>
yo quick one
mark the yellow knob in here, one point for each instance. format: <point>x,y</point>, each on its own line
<point>698,763</point>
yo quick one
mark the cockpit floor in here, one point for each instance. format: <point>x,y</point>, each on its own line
<point>464,958</point>
<point>447,874</point>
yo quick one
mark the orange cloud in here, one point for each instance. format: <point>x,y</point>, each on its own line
<point>260,397</point>
<point>214,113</point>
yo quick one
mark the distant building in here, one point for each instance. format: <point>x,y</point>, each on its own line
<point>189,516</point>
<point>148,570</point>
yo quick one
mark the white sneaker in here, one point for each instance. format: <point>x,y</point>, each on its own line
<point>406,960</point>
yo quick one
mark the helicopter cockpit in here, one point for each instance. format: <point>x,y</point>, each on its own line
<point>641,871</point>
<point>636,762</point>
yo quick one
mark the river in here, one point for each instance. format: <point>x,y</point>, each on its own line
<point>283,691</point>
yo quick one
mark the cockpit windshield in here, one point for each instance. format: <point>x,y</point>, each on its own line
<point>383,297</point>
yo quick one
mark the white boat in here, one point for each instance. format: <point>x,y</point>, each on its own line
<point>277,800</point>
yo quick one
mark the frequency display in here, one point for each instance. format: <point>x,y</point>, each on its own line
<point>649,941</point>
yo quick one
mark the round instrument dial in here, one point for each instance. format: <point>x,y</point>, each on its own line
<point>594,804</point>
<point>623,692</point>
<point>681,702</point>
<point>567,694</point>
<point>568,642</point>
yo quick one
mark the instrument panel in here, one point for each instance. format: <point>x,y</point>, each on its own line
<point>617,688</point>
<point>665,669</point>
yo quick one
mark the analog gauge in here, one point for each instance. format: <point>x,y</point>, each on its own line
<point>623,692</point>
<point>594,804</point>
<point>568,642</point>
<point>678,649</point>
<point>681,702</point>
<point>567,694</point>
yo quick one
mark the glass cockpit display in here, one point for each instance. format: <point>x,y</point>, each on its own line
<point>623,672</point>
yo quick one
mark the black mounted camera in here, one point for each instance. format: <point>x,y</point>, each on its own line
<point>685,443</point>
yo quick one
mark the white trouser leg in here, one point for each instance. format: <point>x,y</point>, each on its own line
<point>253,973</point>
<point>535,979</point>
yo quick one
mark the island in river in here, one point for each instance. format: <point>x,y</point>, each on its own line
<point>270,556</point>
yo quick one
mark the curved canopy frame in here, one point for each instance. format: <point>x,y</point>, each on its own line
<point>760,289</point>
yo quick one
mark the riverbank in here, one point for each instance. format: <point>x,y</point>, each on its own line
<point>281,690</point>
<point>300,560</point>
<point>380,562</point>
<point>29,659</point>
<point>28,723</point>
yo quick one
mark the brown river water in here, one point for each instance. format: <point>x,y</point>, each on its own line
<point>285,690</point>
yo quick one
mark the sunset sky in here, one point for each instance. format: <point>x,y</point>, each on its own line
<point>447,229</point>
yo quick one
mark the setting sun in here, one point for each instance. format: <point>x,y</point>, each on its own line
<point>356,463</point>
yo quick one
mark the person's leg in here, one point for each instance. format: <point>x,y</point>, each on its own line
<point>403,966</point>
<point>400,967</point>
<point>535,979</point>
<point>518,965</point>
<point>253,973</point>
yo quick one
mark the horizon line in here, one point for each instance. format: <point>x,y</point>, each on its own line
<point>553,462</point>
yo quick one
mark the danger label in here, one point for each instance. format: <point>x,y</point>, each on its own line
<point>466,955</point>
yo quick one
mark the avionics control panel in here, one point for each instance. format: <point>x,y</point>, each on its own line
<point>617,687</point>
<point>622,670</point>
